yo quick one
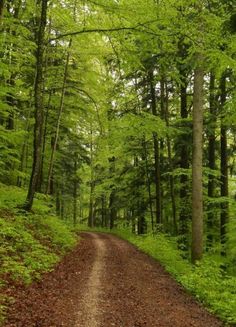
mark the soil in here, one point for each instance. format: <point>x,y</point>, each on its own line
<point>106,282</point>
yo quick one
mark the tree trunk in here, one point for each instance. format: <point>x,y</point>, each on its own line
<point>211,160</point>
<point>75,194</point>
<point>103,214</point>
<point>58,120</point>
<point>148,184</point>
<point>197,191</point>
<point>41,177</point>
<point>91,206</point>
<point>10,99</point>
<point>156,154</point>
<point>39,108</point>
<point>112,209</point>
<point>184,214</point>
<point>92,185</point>
<point>171,178</point>
<point>1,9</point>
<point>224,217</point>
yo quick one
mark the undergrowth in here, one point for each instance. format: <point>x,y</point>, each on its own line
<point>30,244</point>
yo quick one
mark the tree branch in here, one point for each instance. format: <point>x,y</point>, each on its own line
<point>104,30</point>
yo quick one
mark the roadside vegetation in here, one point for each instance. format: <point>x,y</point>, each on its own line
<point>30,243</point>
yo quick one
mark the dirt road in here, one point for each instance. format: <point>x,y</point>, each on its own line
<point>106,282</point>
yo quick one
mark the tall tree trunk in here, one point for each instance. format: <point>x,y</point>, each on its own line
<point>1,9</point>
<point>148,183</point>
<point>224,216</point>
<point>211,159</point>
<point>156,155</point>
<point>103,213</point>
<point>92,184</point>
<point>197,191</point>
<point>112,206</point>
<point>54,147</point>
<point>10,99</point>
<point>112,209</point>
<point>39,108</point>
<point>184,213</point>
<point>41,177</point>
<point>171,178</point>
<point>91,206</point>
<point>75,193</point>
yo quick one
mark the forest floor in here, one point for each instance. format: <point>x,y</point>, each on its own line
<point>106,282</point>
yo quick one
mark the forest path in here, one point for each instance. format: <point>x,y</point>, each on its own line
<point>106,282</point>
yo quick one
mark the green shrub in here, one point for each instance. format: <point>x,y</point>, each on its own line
<point>22,256</point>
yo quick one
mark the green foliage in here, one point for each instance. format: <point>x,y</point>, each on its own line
<point>54,232</point>
<point>30,244</point>
<point>209,283</point>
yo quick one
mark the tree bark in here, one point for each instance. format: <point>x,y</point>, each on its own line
<point>75,193</point>
<point>171,178</point>
<point>112,209</point>
<point>224,216</point>
<point>41,176</point>
<point>92,184</point>
<point>156,155</point>
<point>211,159</point>
<point>1,9</point>
<point>197,191</point>
<point>54,147</point>
<point>184,214</point>
<point>112,206</point>
<point>148,183</point>
<point>39,108</point>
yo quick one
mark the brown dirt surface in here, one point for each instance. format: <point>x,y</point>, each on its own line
<point>106,282</point>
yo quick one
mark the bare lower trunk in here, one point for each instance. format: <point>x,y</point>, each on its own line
<point>184,214</point>
<point>171,178</point>
<point>113,211</point>
<point>39,109</point>
<point>148,184</point>
<point>156,155</point>
<point>197,192</point>
<point>75,194</point>
<point>54,147</point>
<point>1,9</point>
<point>224,217</point>
<point>91,207</point>
<point>211,161</point>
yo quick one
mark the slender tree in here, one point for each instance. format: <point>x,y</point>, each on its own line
<point>197,187</point>
<point>211,157</point>
<point>224,163</point>
<point>39,107</point>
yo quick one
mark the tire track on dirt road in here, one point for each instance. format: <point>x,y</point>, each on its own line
<point>89,315</point>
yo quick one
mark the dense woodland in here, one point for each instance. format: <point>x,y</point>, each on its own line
<point>124,112</point>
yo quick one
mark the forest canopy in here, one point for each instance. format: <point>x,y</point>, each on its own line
<point>124,113</point>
